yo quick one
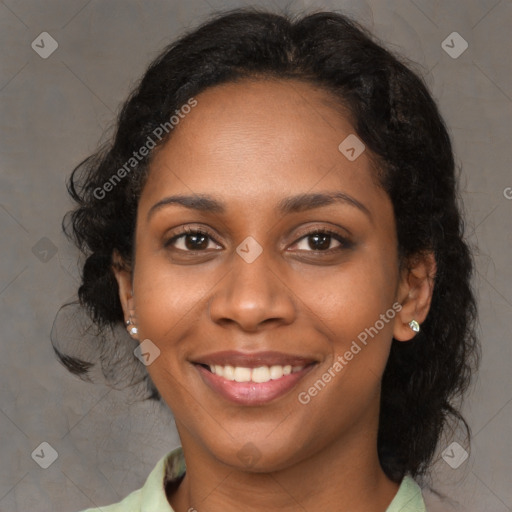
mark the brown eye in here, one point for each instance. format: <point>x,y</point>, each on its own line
<point>190,240</point>
<point>321,241</point>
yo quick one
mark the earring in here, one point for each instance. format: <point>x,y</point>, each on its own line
<point>132,330</point>
<point>415,326</point>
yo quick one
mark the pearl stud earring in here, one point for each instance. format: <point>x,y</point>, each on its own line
<point>132,330</point>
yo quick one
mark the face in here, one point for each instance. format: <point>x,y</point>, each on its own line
<point>265,275</point>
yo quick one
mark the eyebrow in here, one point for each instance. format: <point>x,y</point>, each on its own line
<point>293,204</point>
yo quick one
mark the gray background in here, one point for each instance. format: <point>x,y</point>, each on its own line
<point>53,114</point>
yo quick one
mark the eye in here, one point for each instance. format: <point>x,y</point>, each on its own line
<point>320,240</point>
<point>191,240</point>
<point>317,241</point>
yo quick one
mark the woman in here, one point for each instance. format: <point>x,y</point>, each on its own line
<point>276,224</point>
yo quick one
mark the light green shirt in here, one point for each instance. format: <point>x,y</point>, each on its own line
<point>151,496</point>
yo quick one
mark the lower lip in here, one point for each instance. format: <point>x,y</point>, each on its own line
<point>251,393</point>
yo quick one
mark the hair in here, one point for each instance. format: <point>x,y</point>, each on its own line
<point>397,119</point>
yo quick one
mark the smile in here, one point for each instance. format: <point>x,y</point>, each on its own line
<point>246,379</point>
<point>260,374</point>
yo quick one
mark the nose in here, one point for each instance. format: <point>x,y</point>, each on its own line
<point>252,295</point>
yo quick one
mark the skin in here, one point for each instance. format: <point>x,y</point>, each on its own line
<point>250,145</point>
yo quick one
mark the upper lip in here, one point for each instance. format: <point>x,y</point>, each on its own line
<point>254,359</point>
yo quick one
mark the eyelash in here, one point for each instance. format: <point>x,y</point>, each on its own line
<point>344,242</point>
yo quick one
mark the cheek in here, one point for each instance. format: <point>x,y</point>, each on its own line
<point>169,301</point>
<point>168,297</point>
<point>352,307</point>
<point>349,298</point>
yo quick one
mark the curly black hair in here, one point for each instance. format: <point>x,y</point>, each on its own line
<point>396,118</point>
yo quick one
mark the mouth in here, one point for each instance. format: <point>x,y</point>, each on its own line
<point>258,375</point>
<point>252,379</point>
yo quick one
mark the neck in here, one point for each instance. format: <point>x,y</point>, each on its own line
<point>343,476</point>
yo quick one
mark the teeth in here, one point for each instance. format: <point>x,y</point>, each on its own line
<point>228,372</point>
<point>259,375</point>
<point>276,372</point>
<point>242,374</point>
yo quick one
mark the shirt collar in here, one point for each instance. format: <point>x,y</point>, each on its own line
<point>408,498</point>
<point>171,468</point>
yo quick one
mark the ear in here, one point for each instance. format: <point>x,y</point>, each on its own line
<point>414,294</point>
<point>123,276</point>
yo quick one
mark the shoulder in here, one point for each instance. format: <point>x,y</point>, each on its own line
<point>131,503</point>
<point>152,494</point>
<point>409,497</point>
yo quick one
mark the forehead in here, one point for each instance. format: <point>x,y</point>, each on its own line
<point>257,140</point>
